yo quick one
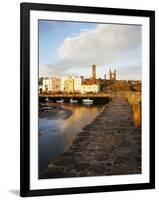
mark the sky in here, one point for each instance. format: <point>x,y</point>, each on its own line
<point>70,48</point>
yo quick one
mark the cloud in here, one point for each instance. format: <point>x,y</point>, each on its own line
<point>104,45</point>
<point>131,73</point>
<point>107,45</point>
<point>48,70</point>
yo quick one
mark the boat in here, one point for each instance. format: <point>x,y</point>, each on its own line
<point>73,101</point>
<point>60,101</point>
<point>88,101</point>
<point>48,100</point>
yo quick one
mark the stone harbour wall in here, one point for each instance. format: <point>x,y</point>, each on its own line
<point>110,145</point>
<point>134,99</point>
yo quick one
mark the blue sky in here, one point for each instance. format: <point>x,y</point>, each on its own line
<point>52,34</point>
<point>70,48</point>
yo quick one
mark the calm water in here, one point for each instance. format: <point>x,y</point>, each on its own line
<point>56,133</point>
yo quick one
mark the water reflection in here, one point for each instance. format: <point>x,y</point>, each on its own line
<point>55,134</point>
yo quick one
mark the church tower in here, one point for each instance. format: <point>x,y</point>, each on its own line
<point>112,75</point>
<point>94,72</point>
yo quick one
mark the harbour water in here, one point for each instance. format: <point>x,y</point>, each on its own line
<point>110,145</point>
<point>57,129</point>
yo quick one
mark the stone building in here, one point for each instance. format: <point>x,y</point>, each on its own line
<point>93,88</point>
<point>112,75</point>
<point>56,84</point>
<point>90,81</point>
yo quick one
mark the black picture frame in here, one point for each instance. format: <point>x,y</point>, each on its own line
<point>25,9</point>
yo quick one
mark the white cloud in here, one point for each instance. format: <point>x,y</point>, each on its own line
<point>107,45</point>
<point>104,45</point>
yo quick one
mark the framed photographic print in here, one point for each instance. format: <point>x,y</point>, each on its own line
<point>87,99</point>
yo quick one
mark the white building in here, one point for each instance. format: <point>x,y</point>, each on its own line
<point>56,84</point>
<point>63,83</point>
<point>77,84</point>
<point>93,88</point>
<point>47,85</point>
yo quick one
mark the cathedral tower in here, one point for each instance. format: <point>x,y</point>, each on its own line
<point>112,75</point>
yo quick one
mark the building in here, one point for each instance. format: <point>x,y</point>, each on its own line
<point>90,81</point>
<point>61,84</point>
<point>72,84</point>
<point>112,75</point>
<point>47,85</point>
<point>94,72</point>
<point>69,85</point>
<point>40,88</point>
<point>77,84</point>
<point>93,88</point>
<point>63,79</point>
<point>56,84</point>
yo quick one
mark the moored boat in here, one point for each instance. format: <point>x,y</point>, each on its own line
<point>89,101</point>
<point>73,101</point>
<point>47,99</point>
<point>60,101</point>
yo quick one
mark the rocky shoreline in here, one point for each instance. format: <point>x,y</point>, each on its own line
<point>47,111</point>
<point>110,145</point>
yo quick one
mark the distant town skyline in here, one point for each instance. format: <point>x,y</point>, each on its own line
<point>70,48</point>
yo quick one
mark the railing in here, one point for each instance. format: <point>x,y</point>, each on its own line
<point>134,95</point>
<point>75,95</point>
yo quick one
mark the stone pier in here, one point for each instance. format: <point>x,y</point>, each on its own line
<point>110,145</point>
